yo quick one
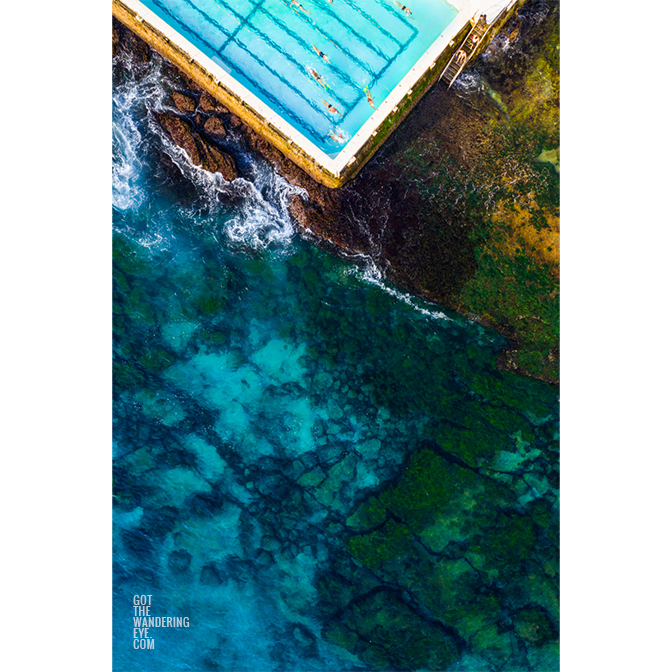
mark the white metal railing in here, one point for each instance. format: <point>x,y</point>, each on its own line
<point>503,8</point>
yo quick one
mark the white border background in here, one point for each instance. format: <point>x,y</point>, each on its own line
<point>56,342</point>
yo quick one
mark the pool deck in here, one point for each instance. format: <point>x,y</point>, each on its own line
<point>332,172</point>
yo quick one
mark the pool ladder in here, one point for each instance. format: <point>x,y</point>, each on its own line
<point>467,48</point>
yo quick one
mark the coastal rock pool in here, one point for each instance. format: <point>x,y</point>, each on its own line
<point>322,65</point>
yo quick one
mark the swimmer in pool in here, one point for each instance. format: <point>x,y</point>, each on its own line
<point>331,108</point>
<point>299,5</point>
<point>321,54</point>
<point>403,8</point>
<point>318,78</point>
<point>369,97</point>
<point>337,138</point>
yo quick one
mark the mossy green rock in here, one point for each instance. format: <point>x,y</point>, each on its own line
<point>494,646</point>
<point>533,626</point>
<point>448,590</point>
<point>505,540</point>
<point>429,486</point>
<point>390,543</point>
<point>392,636</point>
<point>370,514</point>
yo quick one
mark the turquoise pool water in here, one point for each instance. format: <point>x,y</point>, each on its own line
<point>275,49</point>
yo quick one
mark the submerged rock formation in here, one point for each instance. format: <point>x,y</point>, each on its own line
<point>396,516</point>
<point>461,205</point>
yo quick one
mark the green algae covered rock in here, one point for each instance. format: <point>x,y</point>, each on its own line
<point>476,447</point>
<point>546,658</point>
<point>452,543</point>
<point>496,647</point>
<point>503,541</point>
<point>390,635</point>
<point>429,485</point>
<point>126,376</point>
<point>370,514</point>
<point>386,546</point>
<point>449,590</point>
<point>532,625</point>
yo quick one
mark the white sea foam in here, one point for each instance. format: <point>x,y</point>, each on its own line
<point>261,206</point>
<point>125,165</point>
<point>141,88</point>
<point>261,222</point>
<point>371,274</point>
<point>261,216</point>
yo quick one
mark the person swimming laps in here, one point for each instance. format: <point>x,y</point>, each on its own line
<point>403,8</point>
<point>330,107</point>
<point>369,97</point>
<point>318,78</point>
<point>296,3</point>
<point>321,54</point>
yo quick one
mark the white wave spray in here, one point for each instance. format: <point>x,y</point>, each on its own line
<point>259,217</point>
<point>141,89</point>
<point>372,275</point>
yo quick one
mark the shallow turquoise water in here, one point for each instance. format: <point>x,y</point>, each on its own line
<point>271,46</point>
<point>263,391</point>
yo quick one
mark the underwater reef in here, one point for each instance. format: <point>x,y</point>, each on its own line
<point>357,488</point>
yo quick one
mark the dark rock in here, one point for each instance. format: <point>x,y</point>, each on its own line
<point>158,523</point>
<point>181,134</point>
<point>210,576</point>
<point>218,161</point>
<point>184,104</point>
<point>327,225</point>
<point>206,504</point>
<point>201,154</point>
<point>214,126</point>
<point>179,561</point>
<point>234,121</point>
<point>115,39</point>
<point>125,41</point>
<point>264,560</point>
<point>211,105</point>
<point>137,543</point>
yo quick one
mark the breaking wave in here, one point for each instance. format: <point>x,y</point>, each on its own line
<point>248,212</point>
<point>371,274</point>
<point>141,88</point>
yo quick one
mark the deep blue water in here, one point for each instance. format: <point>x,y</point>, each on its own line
<point>264,390</point>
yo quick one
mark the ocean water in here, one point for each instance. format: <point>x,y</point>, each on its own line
<point>273,48</point>
<point>317,470</point>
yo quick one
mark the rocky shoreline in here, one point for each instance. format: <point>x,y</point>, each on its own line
<point>461,204</point>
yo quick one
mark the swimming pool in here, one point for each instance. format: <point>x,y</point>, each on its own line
<point>324,66</point>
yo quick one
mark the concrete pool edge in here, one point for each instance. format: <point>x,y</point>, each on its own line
<point>331,172</point>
